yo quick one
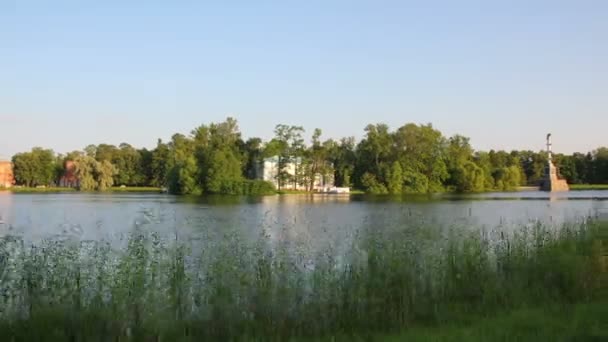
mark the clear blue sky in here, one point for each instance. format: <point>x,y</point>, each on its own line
<point>503,73</point>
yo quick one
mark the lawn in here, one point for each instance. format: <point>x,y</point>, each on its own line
<point>588,186</point>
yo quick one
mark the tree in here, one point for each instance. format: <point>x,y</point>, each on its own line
<point>182,177</point>
<point>395,179</point>
<point>183,173</point>
<point>600,166</point>
<point>84,169</point>
<point>94,175</point>
<point>287,145</point>
<point>34,168</point>
<point>315,163</point>
<point>421,150</point>
<point>218,153</point>
<point>252,152</point>
<point>160,164</point>
<point>127,160</point>
<point>458,154</point>
<point>469,177</point>
<point>343,157</point>
<point>372,185</point>
<point>104,172</point>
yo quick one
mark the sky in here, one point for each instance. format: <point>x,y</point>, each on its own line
<point>504,73</point>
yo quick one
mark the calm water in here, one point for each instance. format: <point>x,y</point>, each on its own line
<point>317,218</point>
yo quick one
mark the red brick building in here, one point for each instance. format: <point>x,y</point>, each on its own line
<point>6,174</point>
<point>69,179</point>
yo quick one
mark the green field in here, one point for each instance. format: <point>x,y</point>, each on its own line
<point>588,186</point>
<point>39,190</point>
<point>136,189</point>
<point>420,284</point>
<point>59,189</point>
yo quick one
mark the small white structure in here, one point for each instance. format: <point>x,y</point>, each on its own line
<point>268,170</point>
<point>337,190</point>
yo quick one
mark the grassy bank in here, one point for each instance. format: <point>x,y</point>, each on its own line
<point>39,190</point>
<point>569,322</point>
<point>588,186</point>
<point>302,192</point>
<point>418,283</point>
<point>60,189</point>
<point>136,189</point>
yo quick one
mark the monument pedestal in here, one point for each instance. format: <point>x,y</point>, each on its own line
<point>551,182</point>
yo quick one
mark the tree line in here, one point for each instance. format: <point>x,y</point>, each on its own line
<point>215,159</point>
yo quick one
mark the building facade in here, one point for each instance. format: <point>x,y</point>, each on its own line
<point>69,179</point>
<point>293,178</point>
<point>7,178</point>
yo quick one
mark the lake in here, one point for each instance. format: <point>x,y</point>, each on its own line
<point>286,264</point>
<point>317,218</point>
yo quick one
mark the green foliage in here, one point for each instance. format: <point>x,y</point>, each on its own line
<point>422,149</point>
<point>214,156</point>
<point>38,167</point>
<point>415,182</point>
<point>94,175</point>
<point>507,178</point>
<point>288,146</point>
<point>469,177</point>
<point>246,187</point>
<point>371,184</point>
<point>223,168</point>
<point>182,177</point>
<point>395,179</point>
<point>160,164</point>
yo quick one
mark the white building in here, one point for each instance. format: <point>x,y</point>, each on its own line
<point>295,179</point>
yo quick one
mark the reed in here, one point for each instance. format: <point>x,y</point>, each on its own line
<point>414,282</point>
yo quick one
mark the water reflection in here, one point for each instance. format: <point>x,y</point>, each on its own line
<point>311,219</point>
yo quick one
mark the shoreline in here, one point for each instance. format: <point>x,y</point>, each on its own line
<point>148,189</point>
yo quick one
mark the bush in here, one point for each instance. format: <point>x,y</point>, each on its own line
<point>246,187</point>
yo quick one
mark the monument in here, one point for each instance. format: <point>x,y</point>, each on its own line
<point>551,181</point>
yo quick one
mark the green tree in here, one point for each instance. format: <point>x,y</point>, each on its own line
<point>127,160</point>
<point>183,172</point>
<point>104,175</point>
<point>84,168</point>
<point>343,157</point>
<point>395,180</point>
<point>421,150</point>
<point>94,175</point>
<point>34,168</point>
<point>316,162</point>
<point>218,152</point>
<point>287,145</point>
<point>469,177</point>
<point>372,185</point>
<point>252,152</point>
<point>600,166</point>
<point>160,164</point>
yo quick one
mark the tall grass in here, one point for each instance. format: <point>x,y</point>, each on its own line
<point>231,288</point>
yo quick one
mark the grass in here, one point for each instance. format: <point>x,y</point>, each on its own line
<point>39,190</point>
<point>418,283</point>
<point>61,189</point>
<point>135,189</point>
<point>570,322</point>
<point>588,186</point>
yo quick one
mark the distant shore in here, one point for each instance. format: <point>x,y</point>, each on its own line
<point>146,189</point>
<point>149,189</point>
